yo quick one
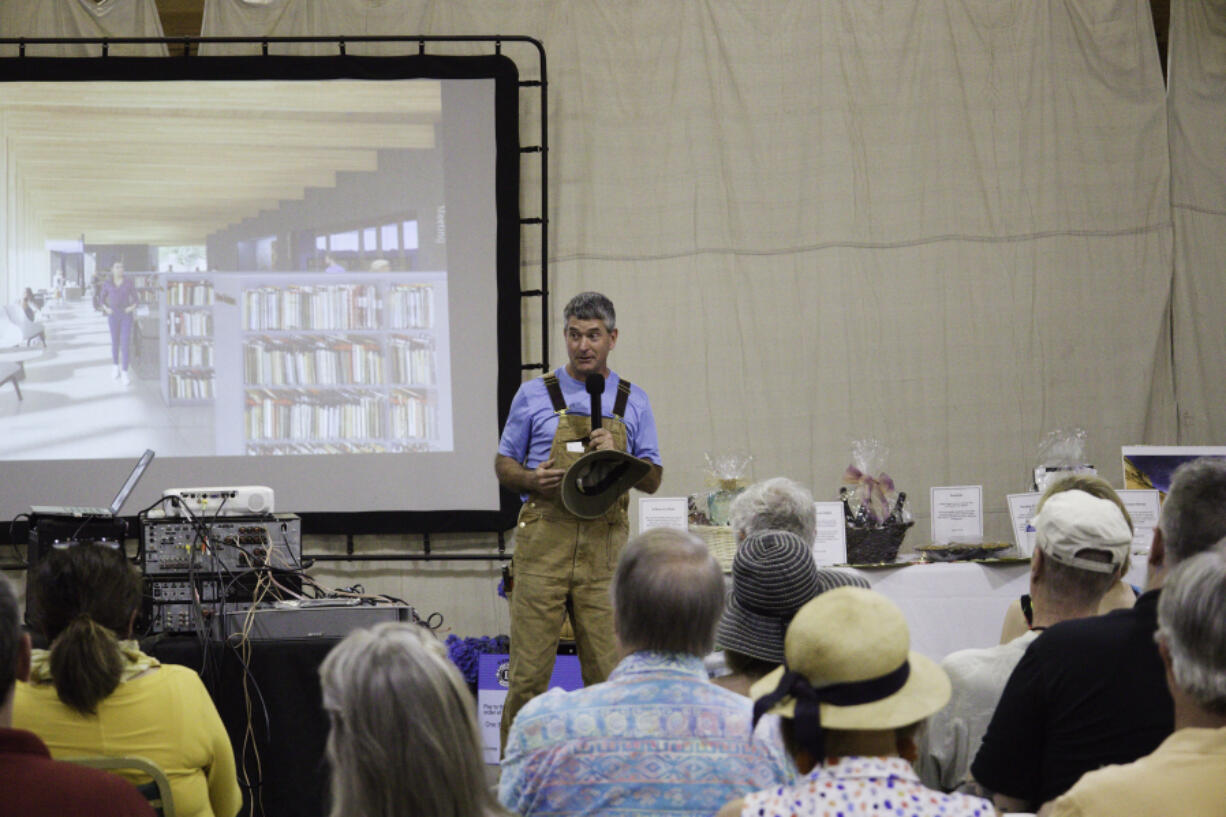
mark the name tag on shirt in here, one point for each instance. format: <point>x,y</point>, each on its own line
<point>574,447</point>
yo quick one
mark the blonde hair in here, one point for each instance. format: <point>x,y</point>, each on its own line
<point>403,737</point>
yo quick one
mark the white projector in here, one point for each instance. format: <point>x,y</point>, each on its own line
<point>239,500</point>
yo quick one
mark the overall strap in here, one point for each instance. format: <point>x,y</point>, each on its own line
<point>555,393</point>
<point>623,395</point>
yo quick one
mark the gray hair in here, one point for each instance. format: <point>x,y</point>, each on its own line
<point>591,306</point>
<point>403,740</point>
<point>10,637</point>
<point>668,593</point>
<point>1194,512</point>
<point>1192,624</point>
<point>774,504</point>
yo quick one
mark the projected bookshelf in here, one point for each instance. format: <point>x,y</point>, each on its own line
<point>358,364</point>
<point>147,288</point>
<point>185,313</point>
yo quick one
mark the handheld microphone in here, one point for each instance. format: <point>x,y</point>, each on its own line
<point>595,388</point>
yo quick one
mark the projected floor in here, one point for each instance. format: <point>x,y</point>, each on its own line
<point>71,397</point>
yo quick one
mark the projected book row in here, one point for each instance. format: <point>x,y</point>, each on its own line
<point>190,387</point>
<point>353,420</point>
<point>311,360</point>
<point>312,307</point>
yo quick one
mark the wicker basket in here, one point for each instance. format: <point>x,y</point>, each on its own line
<point>870,546</point>
<point>721,541</point>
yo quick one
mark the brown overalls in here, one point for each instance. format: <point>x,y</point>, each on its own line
<point>563,563</point>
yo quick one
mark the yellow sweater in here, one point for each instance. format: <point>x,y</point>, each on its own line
<point>165,716</point>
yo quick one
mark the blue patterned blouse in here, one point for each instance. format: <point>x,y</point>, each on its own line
<point>656,738</point>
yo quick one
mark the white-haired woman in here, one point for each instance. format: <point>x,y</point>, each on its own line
<point>404,737</point>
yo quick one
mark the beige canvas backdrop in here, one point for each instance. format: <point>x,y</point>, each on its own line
<point>81,18</point>
<point>1197,110</point>
<point>947,224</point>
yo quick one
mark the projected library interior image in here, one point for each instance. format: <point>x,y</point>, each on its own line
<point>284,292</point>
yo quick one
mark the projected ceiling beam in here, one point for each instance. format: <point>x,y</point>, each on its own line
<point>34,129</point>
<point>170,163</point>
<point>218,98</point>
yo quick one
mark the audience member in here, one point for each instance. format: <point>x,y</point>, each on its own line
<point>31,783</point>
<point>777,504</point>
<point>773,576</point>
<point>851,695</point>
<point>1120,596</point>
<point>403,740</point>
<point>657,737</point>
<point>1183,777</point>
<point>1082,544</point>
<point>93,694</point>
<point>1092,692</point>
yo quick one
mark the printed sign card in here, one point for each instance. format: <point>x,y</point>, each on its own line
<point>1143,506</point>
<point>1021,511</point>
<point>957,514</point>
<point>663,512</point>
<point>830,544</point>
<point>493,681</point>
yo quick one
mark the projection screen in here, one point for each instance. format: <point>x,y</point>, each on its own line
<point>293,272</point>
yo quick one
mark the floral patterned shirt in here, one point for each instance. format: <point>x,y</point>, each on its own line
<point>657,738</point>
<point>850,786</point>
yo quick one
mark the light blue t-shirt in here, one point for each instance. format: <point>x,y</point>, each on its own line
<point>531,423</point>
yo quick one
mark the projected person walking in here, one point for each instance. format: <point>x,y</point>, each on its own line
<point>119,300</point>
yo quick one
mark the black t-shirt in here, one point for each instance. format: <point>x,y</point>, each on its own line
<point>1087,693</point>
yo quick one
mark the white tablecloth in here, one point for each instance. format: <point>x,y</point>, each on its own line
<point>954,605</point>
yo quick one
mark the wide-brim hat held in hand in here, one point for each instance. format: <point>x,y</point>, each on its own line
<point>598,479</point>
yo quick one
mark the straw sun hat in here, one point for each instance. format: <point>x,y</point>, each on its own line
<point>849,666</point>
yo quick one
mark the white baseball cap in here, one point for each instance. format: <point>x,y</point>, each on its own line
<point>1071,522</point>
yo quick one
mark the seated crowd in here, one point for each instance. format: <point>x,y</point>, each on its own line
<point>93,692</point>
<point>824,709</point>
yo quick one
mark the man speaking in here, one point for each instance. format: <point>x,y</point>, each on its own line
<point>564,556</point>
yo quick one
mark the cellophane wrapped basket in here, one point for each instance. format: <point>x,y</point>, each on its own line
<point>876,514</point>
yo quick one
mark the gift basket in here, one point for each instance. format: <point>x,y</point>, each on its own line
<point>710,511</point>
<point>1062,453</point>
<point>876,513</point>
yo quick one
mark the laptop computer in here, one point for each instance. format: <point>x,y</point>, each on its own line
<point>116,503</point>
